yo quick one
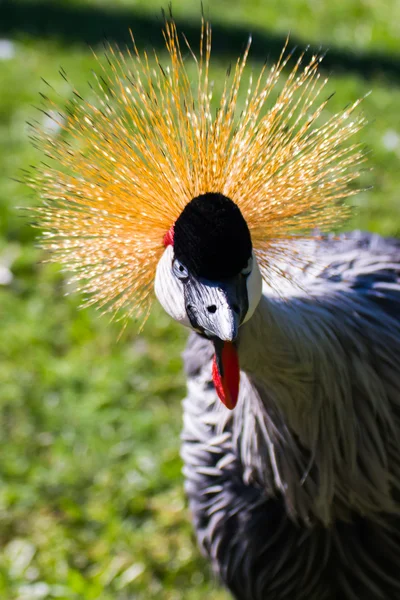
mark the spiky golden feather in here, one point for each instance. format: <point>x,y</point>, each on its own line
<point>124,165</point>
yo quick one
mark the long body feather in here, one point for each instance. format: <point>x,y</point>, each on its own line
<point>295,494</point>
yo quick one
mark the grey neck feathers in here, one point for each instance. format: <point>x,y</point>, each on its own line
<point>318,417</point>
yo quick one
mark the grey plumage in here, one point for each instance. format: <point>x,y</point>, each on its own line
<point>295,494</point>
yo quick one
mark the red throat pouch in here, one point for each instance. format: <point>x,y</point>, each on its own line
<point>226,373</point>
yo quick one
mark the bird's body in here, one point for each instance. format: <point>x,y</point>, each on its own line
<point>295,493</point>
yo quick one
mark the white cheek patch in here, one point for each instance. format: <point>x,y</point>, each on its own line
<point>254,289</point>
<point>169,290</point>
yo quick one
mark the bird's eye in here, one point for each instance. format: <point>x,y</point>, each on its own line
<point>247,270</point>
<point>180,271</point>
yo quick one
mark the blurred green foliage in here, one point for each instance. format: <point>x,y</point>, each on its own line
<point>91,499</point>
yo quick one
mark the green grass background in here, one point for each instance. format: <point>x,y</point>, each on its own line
<point>91,500</point>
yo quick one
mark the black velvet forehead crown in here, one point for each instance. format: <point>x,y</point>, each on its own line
<point>211,237</point>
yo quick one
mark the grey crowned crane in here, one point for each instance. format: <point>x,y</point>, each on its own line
<point>291,438</point>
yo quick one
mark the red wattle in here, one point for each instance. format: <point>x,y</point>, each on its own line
<point>227,385</point>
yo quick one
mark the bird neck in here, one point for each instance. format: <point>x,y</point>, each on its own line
<point>276,350</point>
<point>300,430</point>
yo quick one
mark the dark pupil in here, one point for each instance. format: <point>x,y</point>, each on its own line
<point>181,268</point>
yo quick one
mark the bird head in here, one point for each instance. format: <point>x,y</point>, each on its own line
<point>208,279</point>
<point>152,184</point>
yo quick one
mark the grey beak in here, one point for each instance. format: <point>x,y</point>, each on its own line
<point>216,309</point>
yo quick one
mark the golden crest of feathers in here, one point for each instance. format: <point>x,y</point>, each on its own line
<point>124,165</point>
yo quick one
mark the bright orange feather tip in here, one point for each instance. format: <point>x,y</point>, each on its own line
<point>127,161</point>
